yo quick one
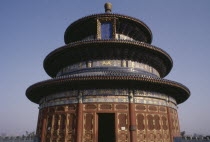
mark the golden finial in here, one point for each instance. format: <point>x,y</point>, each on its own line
<point>108,7</point>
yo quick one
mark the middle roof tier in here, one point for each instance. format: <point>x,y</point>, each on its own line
<point>90,50</point>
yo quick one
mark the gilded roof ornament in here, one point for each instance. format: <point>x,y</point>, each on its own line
<point>108,7</point>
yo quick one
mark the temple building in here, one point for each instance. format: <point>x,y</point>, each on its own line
<point>107,85</point>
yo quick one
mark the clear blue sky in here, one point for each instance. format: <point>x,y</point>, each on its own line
<point>30,29</point>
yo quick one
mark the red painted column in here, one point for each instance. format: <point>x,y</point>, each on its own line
<point>79,119</point>
<point>44,126</point>
<point>177,119</point>
<point>169,124</point>
<point>43,129</point>
<point>38,123</point>
<point>132,115</point>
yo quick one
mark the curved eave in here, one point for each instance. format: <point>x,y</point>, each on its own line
<point>175,90</point>
<point>56,58</point>
<point>119,16</point>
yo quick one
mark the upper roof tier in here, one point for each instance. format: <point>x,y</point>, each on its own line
<point>95,27</point>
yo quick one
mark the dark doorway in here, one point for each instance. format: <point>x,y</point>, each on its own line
<point>106,127</point>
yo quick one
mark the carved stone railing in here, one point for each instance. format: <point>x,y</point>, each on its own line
<point>19,139</point>
<point>192,139</point>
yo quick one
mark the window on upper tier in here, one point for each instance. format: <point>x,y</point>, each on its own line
<point>106,30</point>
